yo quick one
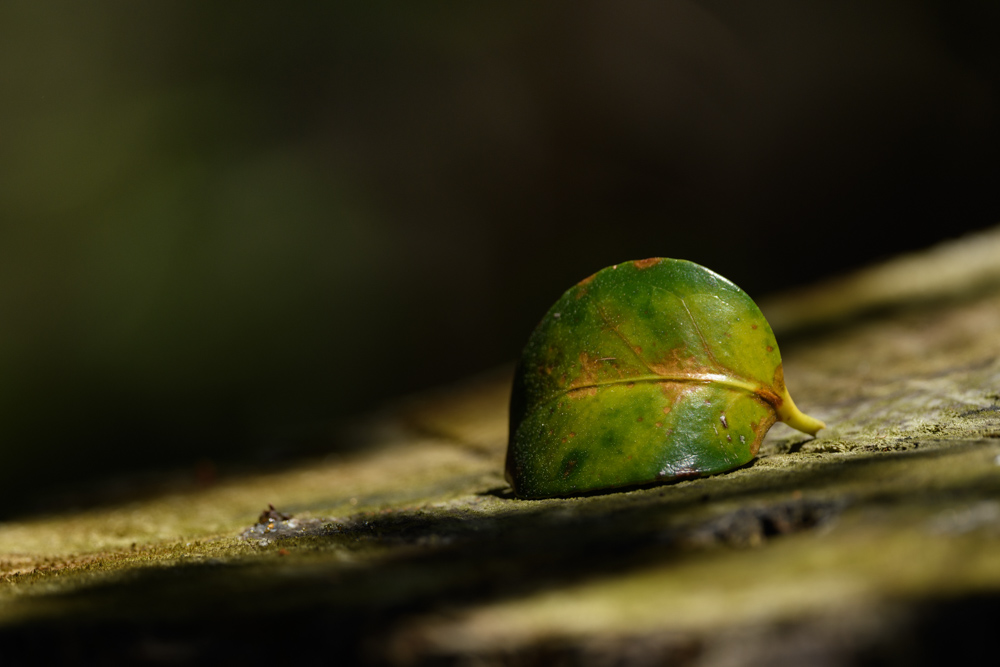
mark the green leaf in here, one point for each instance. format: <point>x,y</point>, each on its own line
<point>646,371</point>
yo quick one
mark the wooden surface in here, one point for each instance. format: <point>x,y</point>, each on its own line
<point>877,542</point>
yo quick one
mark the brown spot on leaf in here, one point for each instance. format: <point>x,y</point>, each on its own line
<point>589,367</point>
<point>770,349</point>
<point>760,430</point>
<point>659,424</point>
<point>572,434</point>
<point>753,326</point>
<point>569,468</point>
<point>646,263</point>
<point>630,385</point>
<point>679,361</point>
<point>673,393</point>
<point>583,392</point>
<point>639,419</point>
<point>779,384</point>
<point>587,280</point>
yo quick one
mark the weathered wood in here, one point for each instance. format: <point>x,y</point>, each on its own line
<point>879,540</point>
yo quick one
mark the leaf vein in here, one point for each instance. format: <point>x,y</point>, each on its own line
<point>694,323</point>
<point>624,339</point>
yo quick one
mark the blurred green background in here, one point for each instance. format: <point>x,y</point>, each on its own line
<point>226,228</point>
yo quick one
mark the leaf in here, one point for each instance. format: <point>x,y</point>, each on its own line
<point>647,371</point>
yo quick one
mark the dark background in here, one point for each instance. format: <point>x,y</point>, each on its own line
<point>227,228</point>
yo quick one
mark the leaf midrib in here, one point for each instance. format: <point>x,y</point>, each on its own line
<point>765,393</point>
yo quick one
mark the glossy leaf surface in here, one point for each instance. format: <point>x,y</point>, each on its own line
<point>647,371</point>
